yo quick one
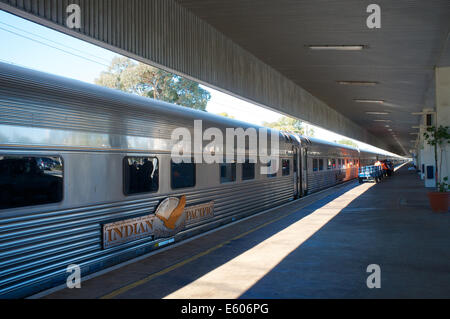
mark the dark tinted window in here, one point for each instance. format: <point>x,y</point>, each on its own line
<point>182,174</point>
<point>227,172</point>
<point>140,175</point>
<point>315,164</point>
<point>321,164</point>
<point>285,167</point>
<point>248,170</point>
<point>333,163</point>
<point>30,180</point>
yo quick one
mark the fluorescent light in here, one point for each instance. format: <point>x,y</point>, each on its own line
<point>337,47</point>
<point>382,120</point>
<point>368,101</point>
<point>368,83</point>
<point>386,126</point>
<point>389,129</point>
<point>377,113</point>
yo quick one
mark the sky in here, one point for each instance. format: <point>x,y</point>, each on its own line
<point>31,45</point>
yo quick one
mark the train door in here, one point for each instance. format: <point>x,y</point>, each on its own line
<point>297,171</point>
<point>304,171</point>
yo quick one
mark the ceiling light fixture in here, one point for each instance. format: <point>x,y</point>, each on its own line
<point>377,113</point>
<point>368,101</point>
<point>382,120</point>
<point>364,83</point>
<point>337,47</point>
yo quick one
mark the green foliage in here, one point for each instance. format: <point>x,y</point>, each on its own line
<point>145,80</point>
<point>226,115</point>
<point>438,137</point>
<point>287,124</point>
<point>443,186</point>
<point>347,142</point>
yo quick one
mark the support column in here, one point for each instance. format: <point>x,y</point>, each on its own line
<point>426,151</point>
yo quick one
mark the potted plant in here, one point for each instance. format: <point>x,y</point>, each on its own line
<point>439,137</point>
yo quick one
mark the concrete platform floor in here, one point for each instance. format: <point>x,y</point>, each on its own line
<point>317,247</point>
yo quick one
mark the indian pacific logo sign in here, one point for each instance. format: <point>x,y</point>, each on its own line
<point>170,217</point>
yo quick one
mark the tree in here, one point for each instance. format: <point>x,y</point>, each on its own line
<point>138,78</point>
<point>347,142</point>
<point>438,137</point>
<point>226,115</point>
<point>309,131</point>
<point>288,124</point>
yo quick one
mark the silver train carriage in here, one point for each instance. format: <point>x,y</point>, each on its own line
<point>81,165</point>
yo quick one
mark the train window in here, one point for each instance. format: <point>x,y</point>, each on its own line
<point>182,174</point>
<point>321,164</point>
<point>329,163</point>
<point>30,180</point>
<point>315,164</point>
<point>248,170</point>
<point>339,163</point>
<point>227,172</point>
<point>285,167</point>
<point>333,163</point>
<point>140,175</point>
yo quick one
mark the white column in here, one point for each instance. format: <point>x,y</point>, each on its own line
<point>427,151</point>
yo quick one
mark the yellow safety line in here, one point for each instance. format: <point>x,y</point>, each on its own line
<point>135,284</point>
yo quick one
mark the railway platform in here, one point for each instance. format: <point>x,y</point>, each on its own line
<point>317,247</point>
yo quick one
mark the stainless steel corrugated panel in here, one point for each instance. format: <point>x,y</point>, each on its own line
<point>323,179</point>
<point>38,243</point>
<point>36,249</point>
<point>164,33</point>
